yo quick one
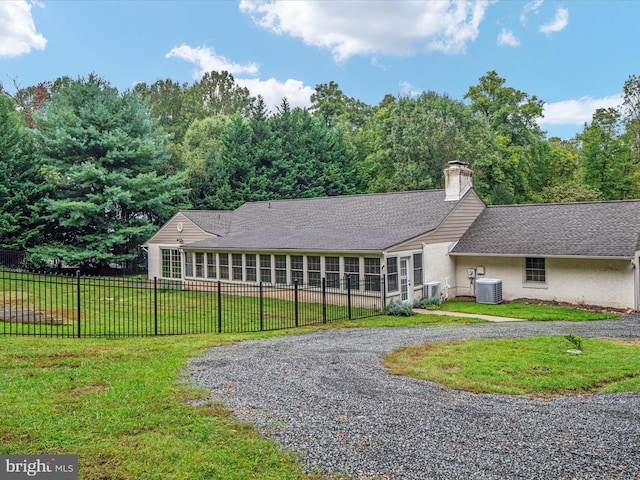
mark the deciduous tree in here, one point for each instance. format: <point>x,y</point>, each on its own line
<point>606,159</point>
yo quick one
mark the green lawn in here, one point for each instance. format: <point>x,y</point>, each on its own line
<point>124,307</point>
<point>539,365</point>
<point>122,407</point>
<point>119,406</point>
<point>525,311</point>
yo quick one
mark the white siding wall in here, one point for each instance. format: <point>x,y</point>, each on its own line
<point>607,283</point>
<point>440,266</point>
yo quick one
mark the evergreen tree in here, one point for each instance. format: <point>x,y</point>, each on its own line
<point>101,151</point>
<point>20,181</point>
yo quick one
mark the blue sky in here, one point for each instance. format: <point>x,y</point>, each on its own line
<point>574,55</point>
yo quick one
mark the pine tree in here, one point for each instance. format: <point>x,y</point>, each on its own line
<point>20,182</point>
<point>101,151</point>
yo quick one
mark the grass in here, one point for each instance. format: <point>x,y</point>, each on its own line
<point>526,311</point>
<point>120,406</point>
<point>125,306</point>
<point>539,365</point>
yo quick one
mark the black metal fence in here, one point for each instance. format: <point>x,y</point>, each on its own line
<point>12,258</point>
<point>78,306</point>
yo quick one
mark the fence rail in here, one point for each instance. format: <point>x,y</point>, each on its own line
<point>78,306</point>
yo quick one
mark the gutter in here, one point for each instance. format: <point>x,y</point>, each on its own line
<point>540,255</point>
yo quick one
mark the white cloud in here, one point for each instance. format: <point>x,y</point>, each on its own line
<point>207,61</point>
<point>409,90</point>
<point>528,8</point>
<point>577,112</point>
<point>272,90</point>
<point>560,21</point>
<point>17,31</point>
<point>349,28</point>
<point>506,37</point>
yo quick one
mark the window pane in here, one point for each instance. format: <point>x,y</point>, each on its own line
<point>236,266</point>
<point>372,274</point>
<point>392,274</point>
<point>224,266</point>
<point>250,267</point>
<point>352,271</point>
<point>332,271</point>
<point>176,263</point>
<point>313,271</point>
<point>211,265</point>
<point>188,264</point>
<point>281,269</point>
<point>535,270</point>
<point>171,263</point>
<point>417,269</point>
<point>265,268</point>
<point>297,269</point>
<point>166,262</point>
<point>200,264</point>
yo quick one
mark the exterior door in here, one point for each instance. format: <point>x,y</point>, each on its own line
<point>404,280</point>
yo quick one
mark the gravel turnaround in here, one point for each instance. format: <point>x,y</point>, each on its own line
<point>327,397</point>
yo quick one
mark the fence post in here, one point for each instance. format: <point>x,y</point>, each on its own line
<point>155,305</point>
<point>295,301</point>
<point>349,296</point>
<point>79,307</point>
<point>219,307</point>
<point>261,307</point>
<point>324,300</point>
<point>383,300</point>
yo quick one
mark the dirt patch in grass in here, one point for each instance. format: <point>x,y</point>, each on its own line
<point>78,391</point>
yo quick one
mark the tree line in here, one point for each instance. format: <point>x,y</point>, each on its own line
<point>88,173</point>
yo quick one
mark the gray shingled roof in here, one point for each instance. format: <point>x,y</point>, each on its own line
<point>592,229</point>
<point>343,223</point>
<point>211,221</point>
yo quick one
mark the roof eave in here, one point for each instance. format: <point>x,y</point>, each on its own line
<point>283,250</point>
<point>521,255</point>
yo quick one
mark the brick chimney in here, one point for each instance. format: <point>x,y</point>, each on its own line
<point>457,180</point>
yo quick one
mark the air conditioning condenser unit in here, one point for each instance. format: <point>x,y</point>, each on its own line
<point>431,290</point>
<point>489,290</point>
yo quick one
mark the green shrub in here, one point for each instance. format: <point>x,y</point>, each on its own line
<point>429,303</point>
<point>399,309</point>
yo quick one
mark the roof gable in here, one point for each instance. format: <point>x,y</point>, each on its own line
<point>590,229</point>
<point>211,221</point>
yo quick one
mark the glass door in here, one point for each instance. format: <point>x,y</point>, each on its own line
<point>404,279</point>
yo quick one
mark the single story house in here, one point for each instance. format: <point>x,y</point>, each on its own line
<point>421,243</point>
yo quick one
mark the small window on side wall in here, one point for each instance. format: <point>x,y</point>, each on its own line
<point>392,274</point>
<point>535,270</point>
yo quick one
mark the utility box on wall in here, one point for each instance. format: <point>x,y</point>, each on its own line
<point>489,290</point>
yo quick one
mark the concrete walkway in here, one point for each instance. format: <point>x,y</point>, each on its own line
<point>489,318</point>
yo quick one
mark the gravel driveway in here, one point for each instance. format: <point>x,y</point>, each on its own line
<point>327,396</point>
